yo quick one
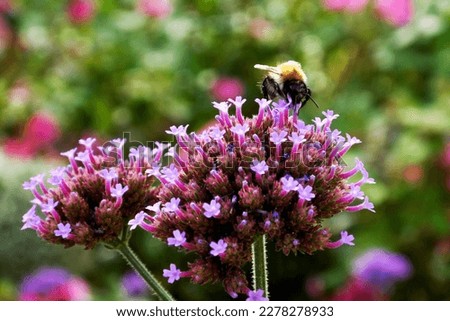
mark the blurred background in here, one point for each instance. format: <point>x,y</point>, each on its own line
<point>78,68</point>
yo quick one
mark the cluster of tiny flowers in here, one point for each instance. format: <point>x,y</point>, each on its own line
<point>271,174</point>
<point>94,197</point>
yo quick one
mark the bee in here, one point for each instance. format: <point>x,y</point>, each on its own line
<point>286,80</point>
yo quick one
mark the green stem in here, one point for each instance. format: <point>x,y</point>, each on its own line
<point>137,264</point>
<point>260,274</point>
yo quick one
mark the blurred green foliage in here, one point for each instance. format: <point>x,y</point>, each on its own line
<point>124,71</point>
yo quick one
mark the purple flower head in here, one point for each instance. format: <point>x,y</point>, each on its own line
<point>257,295</point>
<point>84,204</point>
<point>212,209</point>
<point>269,174</point>
<point>218,248</point>
<point>178,238</point>
<point>259,167</point>
<point>53,284</point>
<point>133,284</point>
<point>173,274</point>
<point>382,268</point>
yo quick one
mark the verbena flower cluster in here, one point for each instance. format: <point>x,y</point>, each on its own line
<point>270,174</point>
<point>93,198</point>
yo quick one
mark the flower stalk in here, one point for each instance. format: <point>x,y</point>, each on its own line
<point>125,250</point>
<point>260,272</point>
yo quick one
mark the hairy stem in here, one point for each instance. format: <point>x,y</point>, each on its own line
<point>137,264</point>
<point>260,274</point>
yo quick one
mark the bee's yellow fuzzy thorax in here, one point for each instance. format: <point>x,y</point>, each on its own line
<point>292,70</point>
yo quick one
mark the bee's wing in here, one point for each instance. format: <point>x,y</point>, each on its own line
<point>267,68</point>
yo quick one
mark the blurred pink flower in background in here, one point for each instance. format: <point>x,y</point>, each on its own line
<point>40,132</point>
<point>5,33</point>
<point>42,129</point>
<point>396,12</point>
<point>53,284</point>
<point>18,147</point>
<point>5,6</point>
<point>413,173</point>
<point>345,5</point>
<point>155,8</point>
<point>315,287</point>
<point>358,290</point>
<point>260,28</point>
<point>227,87</point>
<point>81,11</point>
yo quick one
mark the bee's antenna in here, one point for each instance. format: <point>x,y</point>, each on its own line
<point>312,99</point>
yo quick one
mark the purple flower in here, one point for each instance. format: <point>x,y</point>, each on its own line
<point>173,274</point>
<point>223,107</point>
<point>382,268</point>
<point>49,206</point>
<point>137,220</point>
<point>215,133</point>
<point>170,173</point>
<point>156,208</point>
<point>257,295</point>
<point>53,284</point>
<point>30,219</point>
<point>305,193</point>
<point>365,205</point>
<point>85,203</point>
<point>57,176</point>
<point>289,184</point>
<point>240,129</point>
<point>178,238</point>
<point>118,190</point>
<point>172,206</point>
<point>269,174</point>
<point>63,230</point>
<point>297,138</point>
<point>278,137</point>
<point>345,239</point>
<point>177,131</point>
<point>133,284</point>
<point>212,209</point>
<point>218,248</point>
<point>259,167</point>
<point>88,142</point>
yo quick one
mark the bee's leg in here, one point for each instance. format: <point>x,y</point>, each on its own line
<point>270,88</point>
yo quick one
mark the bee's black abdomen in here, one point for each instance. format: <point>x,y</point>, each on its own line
<point>297,90</point>
<point>270,88</point>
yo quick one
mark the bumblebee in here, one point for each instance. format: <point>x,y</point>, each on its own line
<point>287,80</point>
